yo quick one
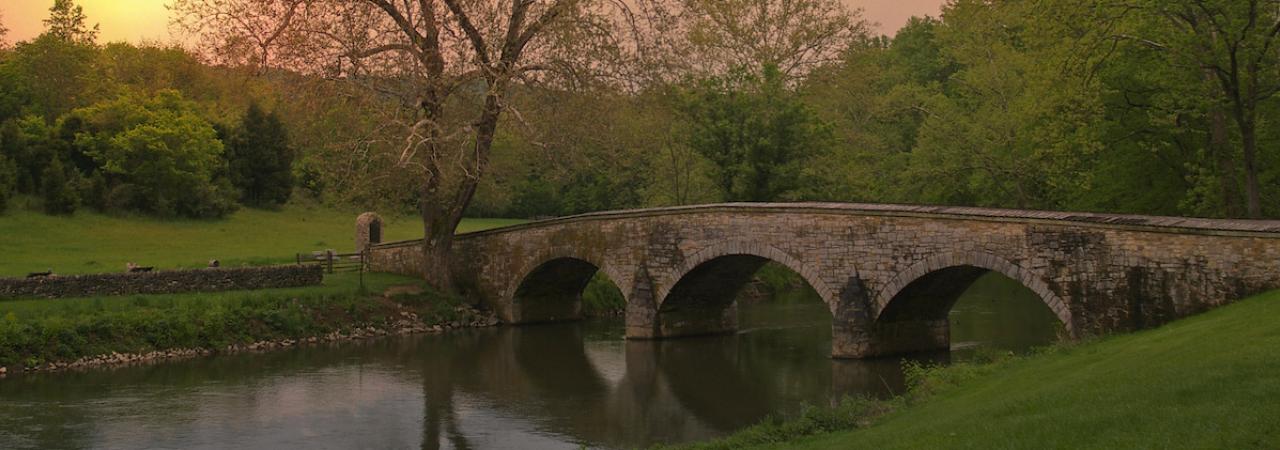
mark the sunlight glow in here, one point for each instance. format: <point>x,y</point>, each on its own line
<point>147,20</point>
<point>119,20</point>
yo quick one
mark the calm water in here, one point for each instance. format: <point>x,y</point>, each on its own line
<point>550,386</point>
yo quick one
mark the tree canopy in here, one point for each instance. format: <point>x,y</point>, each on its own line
<point>552,107</point>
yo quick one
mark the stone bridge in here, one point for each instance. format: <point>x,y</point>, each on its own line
<point>889,274</point>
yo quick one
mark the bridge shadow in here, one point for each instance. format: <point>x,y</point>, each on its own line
<point>928,313</point>
<point>553,291</point>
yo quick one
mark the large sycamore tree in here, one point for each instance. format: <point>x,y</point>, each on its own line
<point>449,65</point>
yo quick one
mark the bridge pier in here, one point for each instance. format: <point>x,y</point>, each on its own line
<point>646,322</point>
<point>849,341</point>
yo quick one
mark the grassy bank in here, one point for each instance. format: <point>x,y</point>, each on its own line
<point>88,242</point>
<point>34,332</point>
<point>1210,381</point>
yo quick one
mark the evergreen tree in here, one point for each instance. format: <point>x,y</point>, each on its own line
<point>8,181</point>
<point>260,160</point>
<point>61,195</point>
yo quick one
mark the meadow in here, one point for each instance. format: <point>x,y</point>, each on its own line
<point>88,242</point>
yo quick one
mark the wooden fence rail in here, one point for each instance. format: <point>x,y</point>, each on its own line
<point>334,262</point>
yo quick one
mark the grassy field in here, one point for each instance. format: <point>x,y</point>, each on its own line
<point>1210,381</point>
<point>88,242</point>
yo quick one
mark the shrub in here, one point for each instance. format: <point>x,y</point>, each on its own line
<point>157,156</point>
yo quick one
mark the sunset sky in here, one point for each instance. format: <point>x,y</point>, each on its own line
<point>139,20</point>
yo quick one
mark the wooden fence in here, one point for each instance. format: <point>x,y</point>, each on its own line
<point>334,262</point>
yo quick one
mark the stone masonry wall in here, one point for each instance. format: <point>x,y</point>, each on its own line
<point>163,282</point>
<point>401,258</point>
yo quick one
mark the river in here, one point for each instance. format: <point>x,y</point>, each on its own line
<point>546,386</point>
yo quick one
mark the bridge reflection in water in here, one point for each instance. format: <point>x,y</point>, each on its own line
<point>540,386</point>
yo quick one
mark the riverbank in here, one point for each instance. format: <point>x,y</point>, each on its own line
<point>1209,381</point>
<point>49,335</point>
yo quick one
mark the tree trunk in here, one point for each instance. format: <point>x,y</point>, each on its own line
<point>437,241</point>
<point>1249,136</point>
<point>1220,146</point>
<point>441,214</point>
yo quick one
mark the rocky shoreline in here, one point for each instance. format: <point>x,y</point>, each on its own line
<point>407,324</point>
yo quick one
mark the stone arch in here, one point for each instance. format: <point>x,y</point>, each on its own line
<point>368,231</point>
<point>983,261</point>
<point>550,288</point>
<point>745,248</point>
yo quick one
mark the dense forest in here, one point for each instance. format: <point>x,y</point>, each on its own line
<point>1136,106</point>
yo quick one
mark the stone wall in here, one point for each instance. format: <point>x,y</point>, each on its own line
<point>163,282</point>
<point>401,258</point>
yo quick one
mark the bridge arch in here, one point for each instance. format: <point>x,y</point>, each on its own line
<point>552,289</point>
<point>957,270</point>
<point>698,295</point>
<point>748,249</point>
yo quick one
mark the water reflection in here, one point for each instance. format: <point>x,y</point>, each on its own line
<point>549,386</point>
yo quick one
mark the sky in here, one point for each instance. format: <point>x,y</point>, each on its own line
<point>148,20</point>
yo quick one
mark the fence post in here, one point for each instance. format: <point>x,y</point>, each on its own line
<point>364,259</point>
<point>330,254</point>
<point>299,257</point>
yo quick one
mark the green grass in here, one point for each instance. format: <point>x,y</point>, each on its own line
<point>335,285</point>
<point>1210,381</point>
<point>88,242</point>
<point>33,332</point>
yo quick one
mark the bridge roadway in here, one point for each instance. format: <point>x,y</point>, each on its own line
<point>889,274</point>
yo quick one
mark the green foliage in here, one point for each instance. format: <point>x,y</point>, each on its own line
<point>68,22</point>
<point>260,159</point>
<point>38,331</point>
<point>849,414</point>
<point>54,75</point>
<point>59,191</point>
<point>1055,104</point>
<point>158,156</point>
<point>8,179</point>
<point>756,132</point>
<point>29,144</point>
<point>602,297</point>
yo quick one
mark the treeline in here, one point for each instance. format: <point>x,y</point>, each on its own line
<point>1154,107</point>
<point>127,129</point>
<point>1133,107</point>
